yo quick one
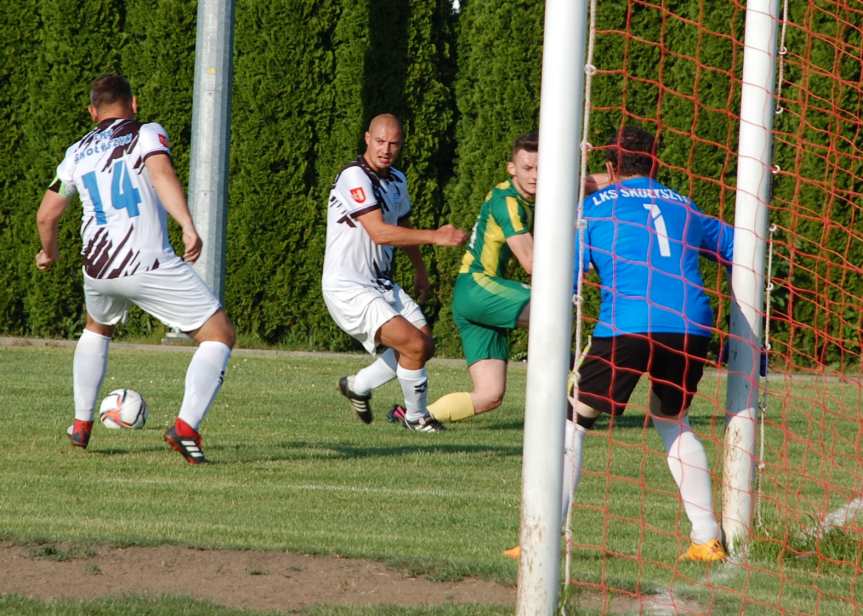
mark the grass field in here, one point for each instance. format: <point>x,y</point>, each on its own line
<point>292,470</point>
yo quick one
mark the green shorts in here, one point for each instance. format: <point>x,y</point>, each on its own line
<point>485,308</point>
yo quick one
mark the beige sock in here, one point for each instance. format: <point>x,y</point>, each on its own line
<point>452,407</point>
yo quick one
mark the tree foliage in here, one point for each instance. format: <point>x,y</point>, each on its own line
<point>308,76</point>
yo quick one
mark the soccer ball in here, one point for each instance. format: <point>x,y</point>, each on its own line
<point>123,408</point>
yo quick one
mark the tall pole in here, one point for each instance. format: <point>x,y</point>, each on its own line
<point>747,277</point>
<point>211,123</point>
<point>551,308</point>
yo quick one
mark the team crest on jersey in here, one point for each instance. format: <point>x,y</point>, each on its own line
<point>164,141</point>
<point>358,194</point>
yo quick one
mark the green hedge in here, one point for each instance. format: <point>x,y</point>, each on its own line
<point>308,76</point>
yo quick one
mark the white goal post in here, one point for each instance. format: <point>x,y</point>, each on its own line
<point>562,102</point>
<point>754,182</point>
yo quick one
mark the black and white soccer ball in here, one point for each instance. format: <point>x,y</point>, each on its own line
<point>123,409</point>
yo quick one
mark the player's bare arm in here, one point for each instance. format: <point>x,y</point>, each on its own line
<point>422,286</point>
<point>171,194</point>
<point>394,235</point>
<point>598,181</point>
<point>47,220</point>
<point>522,247</point>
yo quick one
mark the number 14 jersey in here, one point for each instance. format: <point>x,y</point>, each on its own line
<point>123,224</point>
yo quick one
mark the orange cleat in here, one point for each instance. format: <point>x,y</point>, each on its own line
<point>712,551</point>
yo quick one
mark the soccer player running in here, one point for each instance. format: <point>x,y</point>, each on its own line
<point>486,306</point>
<point>122,171</point>
<point>368,216</point>
<point>645,241</point>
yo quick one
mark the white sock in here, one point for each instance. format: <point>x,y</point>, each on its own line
<point>381,371</point>
<point>203,380</point>
<point>88,369</point>
<point>688,464</point>
<point>415,385</point>
<point>573,456</point>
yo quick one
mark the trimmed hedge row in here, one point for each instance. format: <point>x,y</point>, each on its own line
<point>308,76</point>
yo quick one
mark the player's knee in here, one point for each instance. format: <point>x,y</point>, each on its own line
<point>429,348</point>
<point>487,399</point>
<point>98,328</point>
<point>229,335</point>
<point>585,416</point>
<point>424,347</point>
<point>488,403</point>
<point>218,328</point>
<point>419,347</point>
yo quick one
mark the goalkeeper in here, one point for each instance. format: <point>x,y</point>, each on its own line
<point>645,240</point>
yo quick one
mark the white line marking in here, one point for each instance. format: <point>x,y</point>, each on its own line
<point>839,517</point>
<point>664,604</point>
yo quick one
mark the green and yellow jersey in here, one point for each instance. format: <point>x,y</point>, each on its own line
<point>504,213</point>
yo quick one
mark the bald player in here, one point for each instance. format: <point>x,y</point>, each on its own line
<point>367,217</point>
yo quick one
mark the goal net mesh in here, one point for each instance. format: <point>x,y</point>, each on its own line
<point>675,68</point>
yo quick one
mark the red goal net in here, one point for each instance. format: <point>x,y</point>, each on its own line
<point>675,68</point>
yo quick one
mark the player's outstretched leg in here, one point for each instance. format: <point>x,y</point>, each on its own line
<point>358,388</point>
<point>88,369</point>
<point>360,403</point>
<point>415,389</point>
<point>204,378</point>
<point>573,458</point>
<point>489,385</point>
<point>414,347</point>
<point>687,461</point>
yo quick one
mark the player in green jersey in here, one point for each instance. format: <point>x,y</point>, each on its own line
<point>486,306</point>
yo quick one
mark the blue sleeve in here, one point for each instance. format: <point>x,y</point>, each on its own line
<point>717,242</point>
<point>585,265</point>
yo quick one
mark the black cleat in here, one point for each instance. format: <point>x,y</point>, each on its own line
<point>187,446</point>
<point>359,404</point>
<point>426,423</point>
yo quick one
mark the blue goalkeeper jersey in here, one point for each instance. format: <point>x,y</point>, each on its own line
<point>645,240</point>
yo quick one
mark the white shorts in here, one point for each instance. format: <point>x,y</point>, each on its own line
<point>362,311</point>
<point>174,294</point>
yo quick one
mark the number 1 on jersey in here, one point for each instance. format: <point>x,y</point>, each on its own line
<point>124,195</point>
<point>661,230</point>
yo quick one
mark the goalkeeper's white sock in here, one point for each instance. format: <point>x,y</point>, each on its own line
<point>415,389</point>
<point>573,456</point>
<point>88,369</point>
<point>203,380</point>
<point>688,464</point>
<point>381,371</point>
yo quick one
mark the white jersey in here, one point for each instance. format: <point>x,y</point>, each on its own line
<point>352,259</point>
<point>123,225</point>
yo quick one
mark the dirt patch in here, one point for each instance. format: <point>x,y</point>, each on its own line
<point>243,579</point>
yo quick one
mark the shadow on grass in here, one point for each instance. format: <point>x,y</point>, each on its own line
<point>304,450</point>
<point>639,420</point>
<point>633,421</point>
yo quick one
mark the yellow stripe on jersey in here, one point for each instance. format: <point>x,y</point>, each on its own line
<point>494,287</point>
<point>491,246</point>
<point>466,262</point>
<point>514,218</point>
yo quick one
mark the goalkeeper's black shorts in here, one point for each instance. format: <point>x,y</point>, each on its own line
<point>612,367</point>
